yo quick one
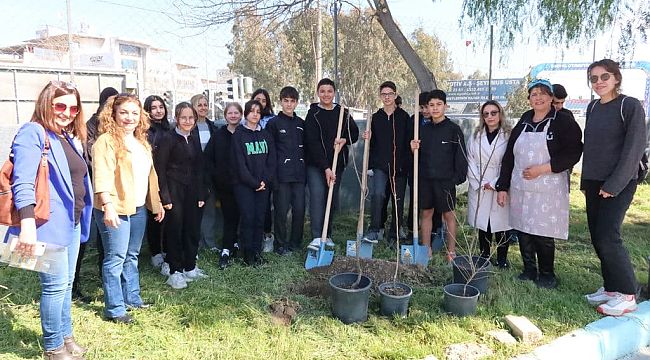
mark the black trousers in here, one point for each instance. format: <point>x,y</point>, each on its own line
<point>182,227</point>
<point>252,209</point>
<point>605,217</point>
<point>289,196</point>
<point>155,235</point>
<point>485,242</point>
<point>230,212</point>
<point>537,250</point>
<point>268,215</point>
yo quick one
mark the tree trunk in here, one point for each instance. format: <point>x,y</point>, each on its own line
<point>424,76</point>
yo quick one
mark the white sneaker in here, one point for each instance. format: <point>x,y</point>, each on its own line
<point>619,305</point>
<point>164,269</point>
<point>267,244</point>
<point>194,274</point>
<point>600,297</point>
<point>157,260</point>
<point>177,281</point>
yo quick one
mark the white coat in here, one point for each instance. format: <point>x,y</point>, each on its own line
<point>484,166</point>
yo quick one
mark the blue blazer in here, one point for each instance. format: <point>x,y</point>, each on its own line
<point>27,147</point>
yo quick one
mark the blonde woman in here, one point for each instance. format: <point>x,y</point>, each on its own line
<point>125,182</point>
<point>484,152</point>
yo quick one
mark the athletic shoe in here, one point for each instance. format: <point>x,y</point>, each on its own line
<point>371,237</point>
<point>194,274</point>
<point>525,276</point>
<point>223,261</point>
<point>619,305</point>
<point>177,281</point>
<point>546,281</point>
<point>600,297</point>
<point>267,244</point>
<point>164,269</point>
<point>157,260</point>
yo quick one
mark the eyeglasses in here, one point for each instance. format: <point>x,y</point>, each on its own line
<point>61,107</point>
<point>63,84</point>
<point>603,77</point>
<point>390,94</point>
<point>490,113</point>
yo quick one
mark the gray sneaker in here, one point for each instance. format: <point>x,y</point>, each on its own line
<point>267,243</point>
<point>371,237</point>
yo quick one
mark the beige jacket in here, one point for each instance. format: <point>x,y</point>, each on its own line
<point>116,178</point>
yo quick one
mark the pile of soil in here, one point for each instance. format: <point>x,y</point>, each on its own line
<point>283,311</point>
<point>378,270</point>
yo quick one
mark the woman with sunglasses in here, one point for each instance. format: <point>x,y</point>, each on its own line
<point>125,182</point>
<point>485,149</point>
<point>615,139</point>
<point>543,147</point>
<point>56,120</point>
<point>155,106</point>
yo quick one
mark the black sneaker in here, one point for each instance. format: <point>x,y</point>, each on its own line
<point>546,281</point>
<point>223,261</point>
<point>527,276</point>
<point>124,319</point>
<point>503,264</point>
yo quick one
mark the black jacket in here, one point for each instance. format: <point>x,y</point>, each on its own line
<point>320,133</point>
<point>253,156</point>
<point>218,157</point>
<point>156,131</point>
<point>442,154</point>
<point>288,136</point>
<point>390,140</point>
<point>181,161</point>
<point>563,141</point>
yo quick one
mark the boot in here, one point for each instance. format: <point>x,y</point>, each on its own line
<point>502,256</point>
<point>545,248</point>
<point>484,240</point>
<point>61,353</point>
<point>527,250</point>
<point>74,348</point>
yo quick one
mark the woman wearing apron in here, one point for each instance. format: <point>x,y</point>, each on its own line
<point>542,149</point>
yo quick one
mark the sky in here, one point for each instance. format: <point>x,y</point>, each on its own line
<point>157,22</point>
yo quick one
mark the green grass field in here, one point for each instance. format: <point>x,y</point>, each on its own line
<point>227,316</point>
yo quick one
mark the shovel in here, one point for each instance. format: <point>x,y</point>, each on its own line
<point>322,257</point>
<point>416,253</point>
<point>363,248</point>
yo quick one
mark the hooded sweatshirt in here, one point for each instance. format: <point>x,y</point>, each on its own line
<point>253,157</point>
<point>320,132</point>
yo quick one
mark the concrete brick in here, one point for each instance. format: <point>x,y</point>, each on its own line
<point>503,337</point>
<point>523,329</point>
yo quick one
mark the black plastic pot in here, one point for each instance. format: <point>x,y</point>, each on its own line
<point>390,304</point>
<point>460,299</point>
<point>350,305</point>
<point>475,272</point>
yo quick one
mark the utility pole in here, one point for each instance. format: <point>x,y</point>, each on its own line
<point>319,46</point>
<point>69,15</point>
<point>336,49</point>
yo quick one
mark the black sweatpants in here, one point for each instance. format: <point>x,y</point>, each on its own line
<point>182,227</point>
<point>154,235</point>
<point>605,217</point>
<point>289,195</point>
<point>230,212</point>
<point>252,210</point>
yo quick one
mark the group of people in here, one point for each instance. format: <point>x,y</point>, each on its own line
<point>161,178</point>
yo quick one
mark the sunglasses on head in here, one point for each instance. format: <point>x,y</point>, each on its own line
<point>61,107</point>
<point>603,77</point>
<point>490,113</point>
<point>63,84</point>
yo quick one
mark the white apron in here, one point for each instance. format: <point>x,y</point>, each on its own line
<point>539,206</point>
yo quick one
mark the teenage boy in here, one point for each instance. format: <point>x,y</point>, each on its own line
<point>559,97</point>
<point>289,192</point>
<point>389,160</point>
<point>320,140</point>
<point>442,166</point>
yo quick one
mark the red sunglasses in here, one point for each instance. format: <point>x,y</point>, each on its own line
<point>61,107</point>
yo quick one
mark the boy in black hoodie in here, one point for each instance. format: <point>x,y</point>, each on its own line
<point>253,156</point>
<point>289,190</point>
<point>389,159</point>
<point>442,166</point>
<point>321,124</point>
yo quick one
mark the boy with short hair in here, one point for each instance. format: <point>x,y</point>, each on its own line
<point>442,166</point>
<point>289,192</point>
<point>389,160</point>
<point>559,97</point>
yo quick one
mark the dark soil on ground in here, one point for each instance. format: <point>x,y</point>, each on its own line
<point>378,270</point>
<point>283,311</point>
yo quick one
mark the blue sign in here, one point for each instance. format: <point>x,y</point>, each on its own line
<point>477,91</point>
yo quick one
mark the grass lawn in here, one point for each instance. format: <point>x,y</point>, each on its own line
<point>227,316</point>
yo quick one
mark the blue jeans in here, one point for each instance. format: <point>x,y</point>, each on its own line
<point>56,296</point>
<point>120,277</point>
<point>318,199</point>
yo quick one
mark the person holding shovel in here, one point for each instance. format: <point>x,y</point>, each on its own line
<point>320,139</point>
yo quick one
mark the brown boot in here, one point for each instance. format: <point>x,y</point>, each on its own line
<point>59,354</point>
<point>74,348</point>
